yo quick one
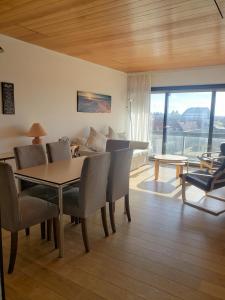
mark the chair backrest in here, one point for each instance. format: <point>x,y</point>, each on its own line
<point>29,156</point>
<point>118,182</point>
<point>112,145</point>
<point>58,151</point>
<point>93,183</point>
<point>218,178</point>
<point>9,204</point>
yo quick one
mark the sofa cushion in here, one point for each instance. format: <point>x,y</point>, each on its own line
<point>96,141</point>
<point>140,152</point>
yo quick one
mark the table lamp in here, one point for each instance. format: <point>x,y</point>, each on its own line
<point>36,131</point>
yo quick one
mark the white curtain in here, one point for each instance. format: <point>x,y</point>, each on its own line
<point>138,91</point>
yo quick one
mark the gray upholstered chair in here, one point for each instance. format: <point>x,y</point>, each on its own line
<point>21,211</point>
<point>91,195</point>
<point>30,156</point>
<point>61,151</point>
<point>118,182</point>
<point>58,151</point>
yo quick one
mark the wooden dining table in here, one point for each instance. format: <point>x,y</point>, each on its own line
<point>6,156</point>
<point>59,175</point>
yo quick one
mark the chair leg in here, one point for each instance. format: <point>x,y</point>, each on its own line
<point>111,214</point>
<point>13,251</point>
<point>77,220</point>
<point>56,232</point>
<point>84,234</point>
<point>49,230</point>
<point>27,231</point>
<point>104,221</point>
<point>43,230</point>
<point>183,190</point>
<point>127,207</point>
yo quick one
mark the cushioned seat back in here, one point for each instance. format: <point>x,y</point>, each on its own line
<point>29,156</point>
<point>112,145</point>
<point>9,204</point>
<point>94,177</point>
<point>118,183</point>
<point>58,151</point>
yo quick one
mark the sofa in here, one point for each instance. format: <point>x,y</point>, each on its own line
<point>140,150</point>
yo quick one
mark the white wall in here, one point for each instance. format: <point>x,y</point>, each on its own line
<point>46,85</point>
<point>192,76</point>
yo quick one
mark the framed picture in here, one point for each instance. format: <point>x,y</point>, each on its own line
<point>8,106</point>
<point>93,103</point>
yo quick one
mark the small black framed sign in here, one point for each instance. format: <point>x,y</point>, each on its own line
<point>8,106</point>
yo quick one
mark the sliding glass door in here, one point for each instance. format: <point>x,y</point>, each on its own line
<point>219,121</point>
<point>187,121</point>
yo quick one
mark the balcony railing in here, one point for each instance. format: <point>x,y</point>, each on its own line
<point>188,143</point>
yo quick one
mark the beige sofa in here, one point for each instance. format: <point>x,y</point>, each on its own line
<point>140,153</point>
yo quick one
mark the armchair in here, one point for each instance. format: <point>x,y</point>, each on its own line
<point>206,182</point>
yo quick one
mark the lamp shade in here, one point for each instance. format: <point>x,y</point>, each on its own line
<point>36,130</point>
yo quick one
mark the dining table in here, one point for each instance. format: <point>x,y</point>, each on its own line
<point>6,156</point>
<point>58,174</point>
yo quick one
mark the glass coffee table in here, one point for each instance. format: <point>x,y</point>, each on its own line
<point>178,161</point>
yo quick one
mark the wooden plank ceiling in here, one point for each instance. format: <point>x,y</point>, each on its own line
<point>128,35</point>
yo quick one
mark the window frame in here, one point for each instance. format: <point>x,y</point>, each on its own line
<point>167,90</point>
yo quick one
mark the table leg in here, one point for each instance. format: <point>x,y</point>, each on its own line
<point>61,225</point>
<point>178,168</point>
<point>156,169</point>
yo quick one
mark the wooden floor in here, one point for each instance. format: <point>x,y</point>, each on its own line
<point>168,251</point>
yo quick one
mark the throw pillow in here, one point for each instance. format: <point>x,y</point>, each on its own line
<point>96,141</point>
<point>111,134</point>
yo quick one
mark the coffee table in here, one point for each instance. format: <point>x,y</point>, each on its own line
<point>178,161</point>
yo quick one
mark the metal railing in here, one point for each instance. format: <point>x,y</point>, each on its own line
<point>188,143</point>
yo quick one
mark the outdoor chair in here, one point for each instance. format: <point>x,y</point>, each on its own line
<point>212,160</point>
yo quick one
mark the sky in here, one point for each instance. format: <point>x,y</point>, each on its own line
<point>181,101</point>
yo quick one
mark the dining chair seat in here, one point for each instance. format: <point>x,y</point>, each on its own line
<point>33,211</point>
<point>41,191</point>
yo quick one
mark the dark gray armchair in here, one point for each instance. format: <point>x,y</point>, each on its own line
<point>21,211</point>
<point>118,182</point>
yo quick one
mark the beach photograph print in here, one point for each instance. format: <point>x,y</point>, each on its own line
<point>93,103</point>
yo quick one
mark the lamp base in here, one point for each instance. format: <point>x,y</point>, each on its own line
<point>36,140</point>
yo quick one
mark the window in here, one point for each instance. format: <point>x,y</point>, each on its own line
<point>187,120</point>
